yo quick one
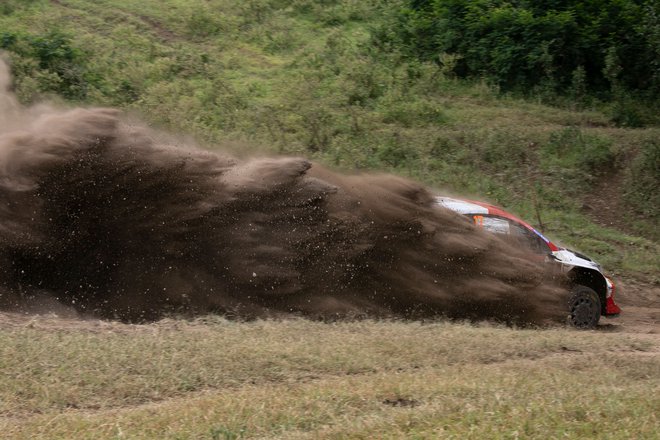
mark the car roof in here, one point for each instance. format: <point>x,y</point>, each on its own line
<point>473,207</point>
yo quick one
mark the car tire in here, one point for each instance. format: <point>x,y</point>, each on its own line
<point>584,307</point>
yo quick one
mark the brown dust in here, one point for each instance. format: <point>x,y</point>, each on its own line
<point>98,215</point>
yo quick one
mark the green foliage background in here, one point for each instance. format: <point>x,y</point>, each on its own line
<point>532,108</point>
<point>557,48</point>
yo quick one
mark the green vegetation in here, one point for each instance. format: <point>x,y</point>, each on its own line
<point>550,111</point>
<point>50,61</point>
<point>388,85</point>
<point>299,379</point>
<point>574,48</point>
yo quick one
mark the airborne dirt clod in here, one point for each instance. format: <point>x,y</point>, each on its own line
<point>103,218</point>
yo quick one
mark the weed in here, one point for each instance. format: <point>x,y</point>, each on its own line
<point>222,433</point>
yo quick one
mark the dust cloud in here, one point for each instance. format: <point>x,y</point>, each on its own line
<point>98,215</point>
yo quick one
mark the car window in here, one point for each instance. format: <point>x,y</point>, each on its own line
<point>516,233</point>
<point>492,224</point>
<point>528,239</point>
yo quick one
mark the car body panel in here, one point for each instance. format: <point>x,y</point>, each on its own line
<point>569,259</point>
<point>496,220</point>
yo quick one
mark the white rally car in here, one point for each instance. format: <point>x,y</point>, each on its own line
<point>592,293</point>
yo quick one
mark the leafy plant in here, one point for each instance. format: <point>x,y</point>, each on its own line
<point>522,44</point>
<point>57,65</point>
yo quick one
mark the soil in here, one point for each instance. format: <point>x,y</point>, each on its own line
<point>639,301</point>
<point>640,304</point>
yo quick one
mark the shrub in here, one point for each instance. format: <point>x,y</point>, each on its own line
<point>57,66</point>
<point>523,45</point>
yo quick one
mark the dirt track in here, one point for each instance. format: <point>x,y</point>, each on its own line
<point>640,303</point>
<point>641,309</point>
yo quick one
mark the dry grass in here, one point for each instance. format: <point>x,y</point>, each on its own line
<point>212,378</point>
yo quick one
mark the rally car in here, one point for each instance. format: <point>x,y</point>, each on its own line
<point>591,294</point>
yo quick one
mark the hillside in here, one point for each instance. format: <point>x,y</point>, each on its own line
<point>329,81</point>
<point>302,78</point>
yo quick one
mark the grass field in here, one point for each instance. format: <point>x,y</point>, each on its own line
<point>300,77</point>
<point>212,378</point>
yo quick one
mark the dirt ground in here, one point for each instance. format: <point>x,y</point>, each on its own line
<point>640,303</point>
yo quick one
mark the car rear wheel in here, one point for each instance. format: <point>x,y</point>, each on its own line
<point>584,307</point>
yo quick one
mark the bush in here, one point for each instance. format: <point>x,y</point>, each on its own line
<point>52,61</point>
<point>524,45</point>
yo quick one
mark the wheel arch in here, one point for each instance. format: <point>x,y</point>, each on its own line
<point>593,279</point>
